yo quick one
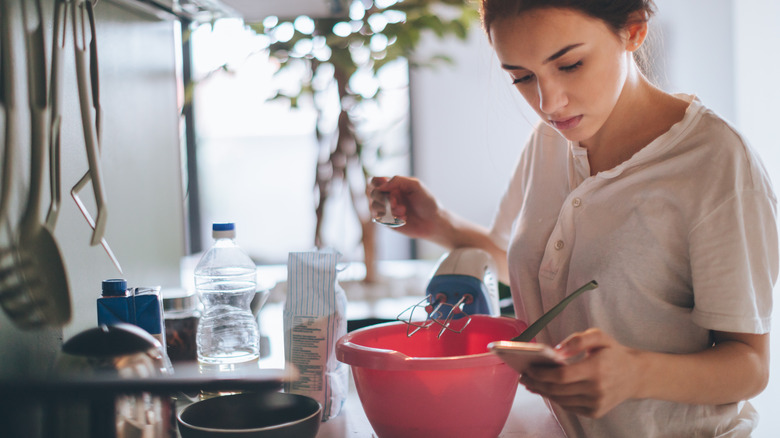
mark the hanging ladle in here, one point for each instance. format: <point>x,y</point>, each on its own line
<point>37,292</point>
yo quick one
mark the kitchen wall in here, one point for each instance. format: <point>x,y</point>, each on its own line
<point>141,167</point>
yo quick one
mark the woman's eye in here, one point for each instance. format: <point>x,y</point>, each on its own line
<point>522,79</point>
<point>571,67</point>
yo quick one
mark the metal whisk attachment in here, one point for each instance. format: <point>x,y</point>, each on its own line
<point>439,312</point>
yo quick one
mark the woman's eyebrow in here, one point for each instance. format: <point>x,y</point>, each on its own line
<point>551,58</point>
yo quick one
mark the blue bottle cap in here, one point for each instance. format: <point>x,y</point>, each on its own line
<point>225,230</point>
<point>115,287</point>
<point>225,226</point>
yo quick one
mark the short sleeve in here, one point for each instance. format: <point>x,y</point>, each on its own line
<point>734,264</point>
<point>512,200</point>
<point>508,210</point>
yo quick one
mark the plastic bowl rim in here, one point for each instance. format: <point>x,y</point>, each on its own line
<point>394,360</point>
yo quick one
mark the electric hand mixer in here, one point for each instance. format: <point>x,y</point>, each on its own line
<point>464,283</point>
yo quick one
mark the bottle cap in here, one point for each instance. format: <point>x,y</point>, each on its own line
<point>223,230</point>
<point>115,287</point>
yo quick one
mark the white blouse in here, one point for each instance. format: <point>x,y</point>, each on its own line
<point>682,239</point>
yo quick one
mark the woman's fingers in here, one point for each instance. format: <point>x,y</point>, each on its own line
<point>606,375</point>
<point>584,342</point>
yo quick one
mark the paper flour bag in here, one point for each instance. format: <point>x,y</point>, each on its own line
<point>314,319</point>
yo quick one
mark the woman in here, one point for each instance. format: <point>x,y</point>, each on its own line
<point>649,193</point>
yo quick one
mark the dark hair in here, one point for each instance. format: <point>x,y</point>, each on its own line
<point>616,14</point>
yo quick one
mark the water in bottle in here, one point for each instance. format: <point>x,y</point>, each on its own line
<point>226,281</point>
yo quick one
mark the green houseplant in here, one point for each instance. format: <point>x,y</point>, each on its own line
<point>371,36</point>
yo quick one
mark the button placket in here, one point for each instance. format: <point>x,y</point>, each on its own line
<point>559,245</point>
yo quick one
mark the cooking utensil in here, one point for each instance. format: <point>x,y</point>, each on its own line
<point>89,100</point>
<point>463,284</point>
<point>252,415</point>
<point>424,386</point>
<point>543,320</point>
<point>57,48</point>
<point>36,292</point>
<point>388,219</point>
<point>437,311</point>
<point>8,103</point>
<point>8,268</point>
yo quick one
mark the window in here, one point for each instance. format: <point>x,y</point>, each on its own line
<point>257,157</point>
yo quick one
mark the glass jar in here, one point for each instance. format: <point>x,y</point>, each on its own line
<point>181,308</point>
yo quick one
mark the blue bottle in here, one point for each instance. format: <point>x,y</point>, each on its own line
<point>113,306</point>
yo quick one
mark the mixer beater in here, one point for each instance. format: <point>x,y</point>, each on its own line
<point>463,284</point>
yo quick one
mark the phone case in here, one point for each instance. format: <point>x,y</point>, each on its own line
<point>521,355</point>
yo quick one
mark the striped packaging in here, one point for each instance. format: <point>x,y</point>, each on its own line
<point>314,319</point>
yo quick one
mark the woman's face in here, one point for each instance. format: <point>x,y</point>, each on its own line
<point>569,67</point>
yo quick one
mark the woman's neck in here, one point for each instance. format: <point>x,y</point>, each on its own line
<point>641,114</point>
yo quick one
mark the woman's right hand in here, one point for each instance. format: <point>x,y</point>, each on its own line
<point>409,200</point>
<point>426,219</point>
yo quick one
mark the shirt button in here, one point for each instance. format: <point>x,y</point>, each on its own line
<point>576,202</point>
<point>559,244</point>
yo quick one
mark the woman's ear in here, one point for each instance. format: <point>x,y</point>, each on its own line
<point>636,31</point>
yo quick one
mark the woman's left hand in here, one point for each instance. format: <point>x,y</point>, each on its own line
<point>607,374</point>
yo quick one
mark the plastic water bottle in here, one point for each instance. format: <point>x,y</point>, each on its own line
<point>226,282</point>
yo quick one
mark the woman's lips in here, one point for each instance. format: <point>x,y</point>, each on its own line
<point>564,124</point>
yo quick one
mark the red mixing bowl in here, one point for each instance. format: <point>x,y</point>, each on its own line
<point>424,386</point>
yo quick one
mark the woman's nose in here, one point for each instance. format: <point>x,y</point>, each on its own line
<point>552,96</point>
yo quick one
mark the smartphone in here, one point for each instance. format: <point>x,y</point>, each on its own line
<point>521,355</point>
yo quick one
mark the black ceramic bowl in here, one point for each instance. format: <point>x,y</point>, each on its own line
<point>252,415</point>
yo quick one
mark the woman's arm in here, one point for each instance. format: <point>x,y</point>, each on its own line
<point>426,219</point>
<point>464,234</point>
<point>735,368</point>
